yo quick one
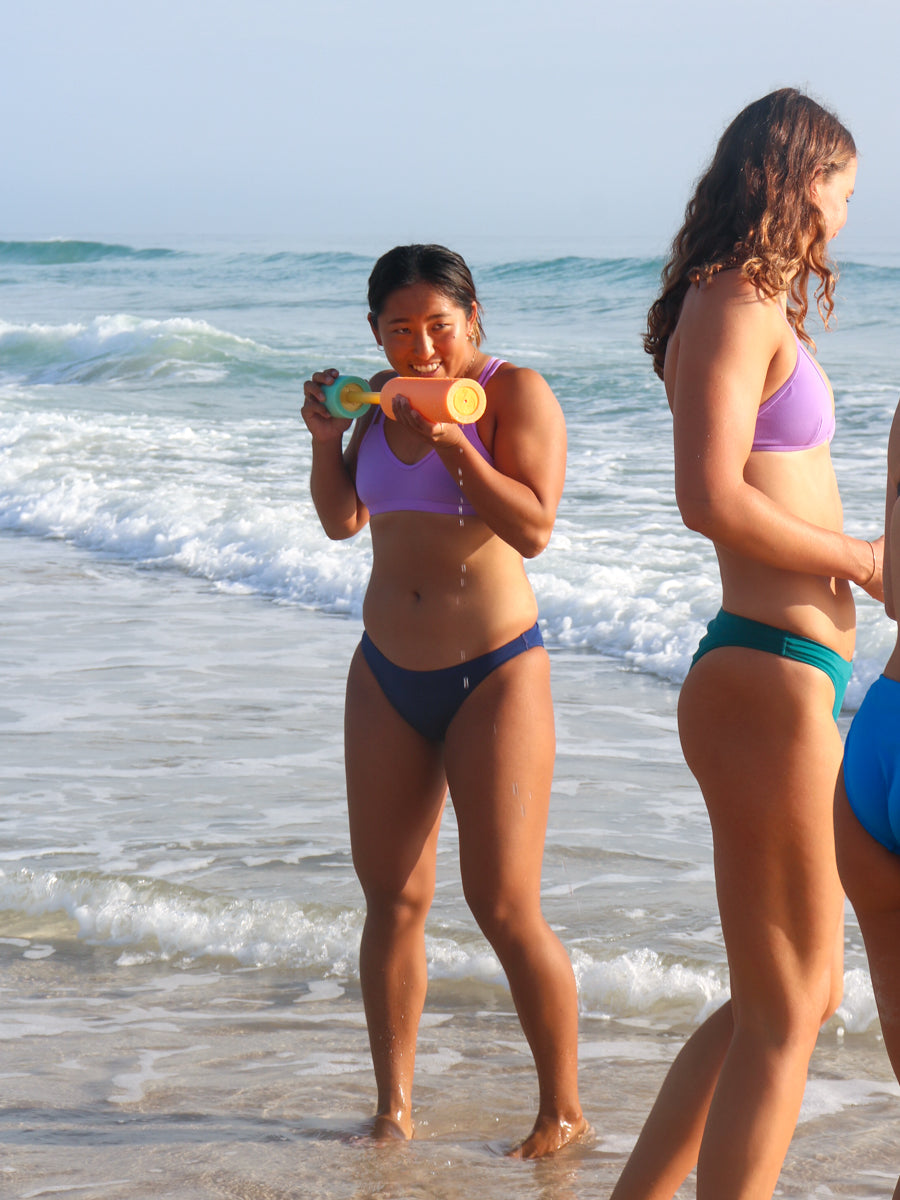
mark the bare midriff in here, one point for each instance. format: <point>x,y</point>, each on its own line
<point>815,606</point>
<point>444,589</point>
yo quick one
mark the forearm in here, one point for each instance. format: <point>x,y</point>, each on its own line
<point>749,523</point>
<point>334,493</point>
<point>511,509</point>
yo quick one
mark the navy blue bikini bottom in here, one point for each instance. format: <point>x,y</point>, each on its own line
<point>429,700</point>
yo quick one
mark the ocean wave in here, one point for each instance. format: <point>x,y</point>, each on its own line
<point>154,920</point>
<point>572,269</point>
<point>886,275</point>
<point>323,260</point>
<point>124,349</point>
<point>66,251</point>
<point>640,983</point>
<point>228,503</point>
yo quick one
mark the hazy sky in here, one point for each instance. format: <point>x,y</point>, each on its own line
<point>575,124</point>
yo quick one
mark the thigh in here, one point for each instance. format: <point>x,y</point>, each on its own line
<point>758,734</point>
<point>499,756</point>
<point>396,789</point>
<point>871,875</point>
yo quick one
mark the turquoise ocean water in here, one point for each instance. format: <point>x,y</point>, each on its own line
<point>176,633</point>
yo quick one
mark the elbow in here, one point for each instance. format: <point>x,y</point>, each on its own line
<point>340,532</point>
<point>696,516</point>
<point>526,542</point>
<point>532,541</point>
<point>340,521</point>
<point>698,513</point>
<point>536,546</point>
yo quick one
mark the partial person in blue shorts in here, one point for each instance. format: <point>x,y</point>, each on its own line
<point>867,805</point>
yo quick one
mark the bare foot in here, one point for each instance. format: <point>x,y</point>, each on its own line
<point>548,1136</point>
<point>386,1128</point>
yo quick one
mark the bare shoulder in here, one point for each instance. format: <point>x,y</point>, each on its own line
<point>512,385</point>
<point>729,336</point>
<point>726,322</point>
<point>729,300</point>
<point>377,382</point>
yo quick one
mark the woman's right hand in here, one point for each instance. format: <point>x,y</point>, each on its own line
<point>874,585</point>
<point>319,421</point>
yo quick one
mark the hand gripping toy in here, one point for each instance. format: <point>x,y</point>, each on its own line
<point>459,400</point>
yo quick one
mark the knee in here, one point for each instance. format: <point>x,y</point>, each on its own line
<point>400,907</point>
<point>791,1021</point>
<point>503,919</point>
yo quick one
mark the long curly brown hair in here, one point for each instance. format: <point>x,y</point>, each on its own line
<point>753,209</point>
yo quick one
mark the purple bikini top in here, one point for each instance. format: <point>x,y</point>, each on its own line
<point>800,414</point>
<point>385,484</point>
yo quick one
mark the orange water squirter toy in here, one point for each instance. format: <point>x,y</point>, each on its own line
<point>459,400</point>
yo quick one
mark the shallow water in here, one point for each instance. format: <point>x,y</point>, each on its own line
<point>179,918</point>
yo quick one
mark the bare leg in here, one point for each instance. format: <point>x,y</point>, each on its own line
<point>667,1149</point>
<point>757,733</point>
<point>499,753</point>
<point>871,875</point>
<point>396,790</point>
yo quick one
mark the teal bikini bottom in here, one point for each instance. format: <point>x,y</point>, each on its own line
<point>725,629</point>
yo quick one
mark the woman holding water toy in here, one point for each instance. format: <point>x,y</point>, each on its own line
<point>450,685</point>
<point>753,420</point>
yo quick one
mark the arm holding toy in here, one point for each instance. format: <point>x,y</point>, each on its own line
<point>518,496</point>
<point>332,486</point>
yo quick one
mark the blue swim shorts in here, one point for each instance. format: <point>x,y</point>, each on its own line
<point>872,763</point>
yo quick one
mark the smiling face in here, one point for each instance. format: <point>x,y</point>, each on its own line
<point>424,333</point>
<point>830,195</point>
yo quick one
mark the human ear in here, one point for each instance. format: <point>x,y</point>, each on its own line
<point>373,325</point>
<point>815,187</point>
<point>472,325</point>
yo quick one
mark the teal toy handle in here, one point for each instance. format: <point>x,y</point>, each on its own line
<point>349,396</point>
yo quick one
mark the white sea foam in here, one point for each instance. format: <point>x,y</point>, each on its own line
<point>226,503</point>
<point>824,1097</point>
<point>157,921</point>
<point>640,982</point>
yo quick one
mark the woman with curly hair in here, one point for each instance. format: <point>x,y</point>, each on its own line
<point>753,419</point>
